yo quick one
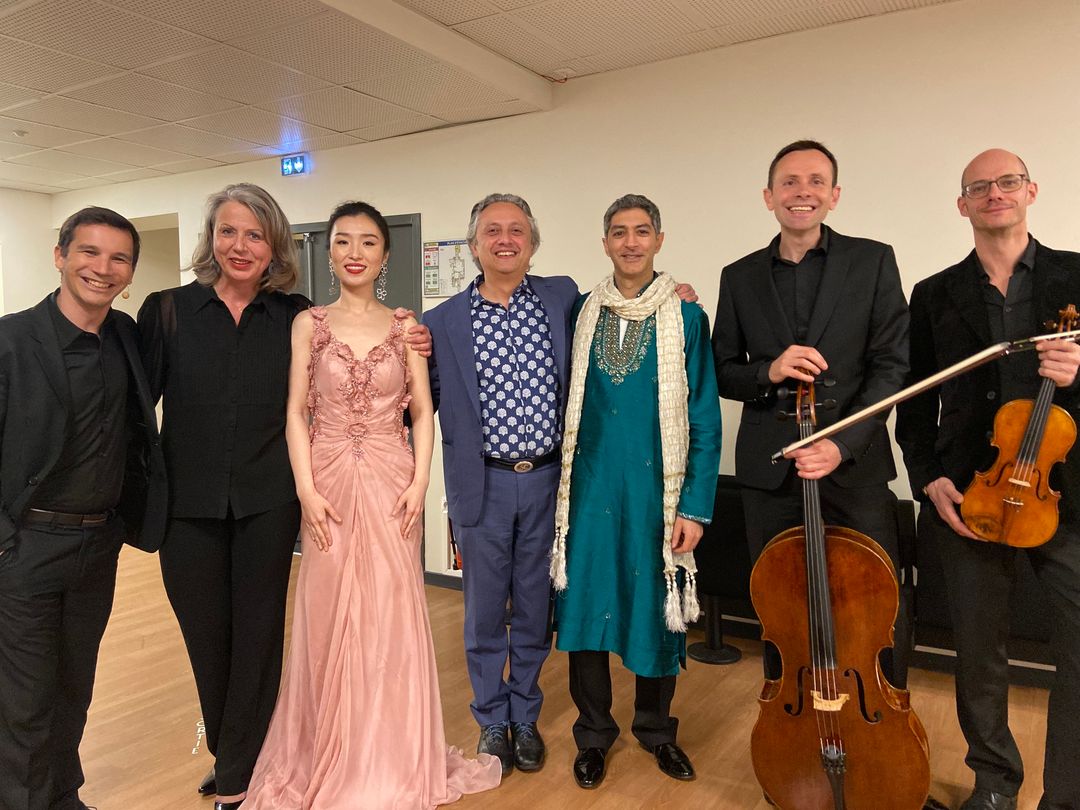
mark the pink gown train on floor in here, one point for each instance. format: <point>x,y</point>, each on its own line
<point>358,724</point>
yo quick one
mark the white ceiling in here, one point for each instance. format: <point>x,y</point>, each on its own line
<point>104,91</point>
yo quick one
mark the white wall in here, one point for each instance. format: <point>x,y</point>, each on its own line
<point>27,273</point>
<point>904,100</point>
<point>158,268</point>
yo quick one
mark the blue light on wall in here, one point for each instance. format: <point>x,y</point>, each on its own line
<point>295,164</point>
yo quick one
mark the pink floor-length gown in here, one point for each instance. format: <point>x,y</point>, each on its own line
<point>358,724</point>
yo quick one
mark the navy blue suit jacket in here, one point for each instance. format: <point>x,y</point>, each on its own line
<point>455,388</point>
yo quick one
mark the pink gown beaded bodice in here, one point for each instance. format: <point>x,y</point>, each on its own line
<point>358,723</point>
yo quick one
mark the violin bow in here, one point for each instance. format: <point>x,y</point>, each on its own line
<point>994,352</point>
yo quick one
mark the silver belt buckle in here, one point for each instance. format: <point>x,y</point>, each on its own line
<point>523,466</point>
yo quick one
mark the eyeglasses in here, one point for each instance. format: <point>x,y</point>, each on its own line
<point>1006,183</point>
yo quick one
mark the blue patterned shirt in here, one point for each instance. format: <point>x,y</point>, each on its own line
<point>515,368</point>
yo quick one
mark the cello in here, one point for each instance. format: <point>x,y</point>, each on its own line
<point>1012,502</point>
<point>832,732</point>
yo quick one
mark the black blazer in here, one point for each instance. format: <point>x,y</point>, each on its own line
<point>35,404</point>
<point>860,326</point>
<point>946,431</point>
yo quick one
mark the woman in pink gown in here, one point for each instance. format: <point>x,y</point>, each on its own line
<point>358,723</point>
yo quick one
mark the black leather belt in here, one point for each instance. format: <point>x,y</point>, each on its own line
<point>523,465</point>
<point>66,518</point>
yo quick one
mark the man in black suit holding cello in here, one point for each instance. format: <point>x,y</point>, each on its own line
<point>81,472</point>
<point>1005,289</point>
<point>813,305</point>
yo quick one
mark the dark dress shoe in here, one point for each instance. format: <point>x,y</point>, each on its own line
<point>589,767</point>
<point>983,799</point>
<point>529,747</point>
<point>228,805</point>
<point>208,786</point>
<point>672,760</point>
<point>933,804</point>
<point>495,740</point>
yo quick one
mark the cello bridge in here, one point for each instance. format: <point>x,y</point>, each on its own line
<point>1019,483</point>
<point>823,704</point>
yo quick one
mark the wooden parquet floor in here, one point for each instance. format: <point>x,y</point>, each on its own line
<point>142,750</point>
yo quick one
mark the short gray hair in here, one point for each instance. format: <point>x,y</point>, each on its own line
<point>628,201</point>
<point>491,199</point>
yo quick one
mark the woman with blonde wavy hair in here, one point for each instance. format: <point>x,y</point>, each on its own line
<point>217,352</point>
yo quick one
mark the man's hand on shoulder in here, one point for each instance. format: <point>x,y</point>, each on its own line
<point>686,293</point>
<point>419,336</point>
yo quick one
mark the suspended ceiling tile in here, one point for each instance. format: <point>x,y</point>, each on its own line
<point>337,48</point>
<point>189,165</point>
<point>415,123</point>
<point>34,187</point>
<point>71,164</point>
<point>60,111</point>
<point>38,134</point>
<point>803,20</point>
<point>186,140</point>
<point>223,21</point>
<point>656,51</point>
<point>902,5</point>
<point>507,35</point>
<point>33,174</point>
<point>232,74</point>
<point>141,94</point>
<point>585,29</point>
<point>85,182</point>
<point>43,69</point>
<point>257,126</point>
<point>123,152</point>
<point>338,108</point>
<point>510,5</point>
<point>488,111</point>
<point>10,150</point>
<point>729,12</point>
<point>451,12</point>
<point>434,88</point>
<point>335,140</point>
<point>11,94</point>
<point>116,37</point>
<point>248,155</point>
<point>132,174</point>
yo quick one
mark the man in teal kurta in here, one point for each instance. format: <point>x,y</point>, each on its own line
<point>641,450</point>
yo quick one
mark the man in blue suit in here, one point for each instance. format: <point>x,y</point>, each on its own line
<point>499,374</point>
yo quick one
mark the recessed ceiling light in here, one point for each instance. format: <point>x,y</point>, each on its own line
<point>19,133</point>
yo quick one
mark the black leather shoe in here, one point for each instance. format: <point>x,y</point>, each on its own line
<point>983,799</point>
<point>933,804</point>
<point>495,740</point>
<point>228,805</point>
<point>672,760</point>
<point>589,767</point>
<point>208,786</point>
<point>529,747</point>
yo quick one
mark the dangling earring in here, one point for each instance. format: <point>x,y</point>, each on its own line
<point>380,284</point>
<point>333,278</point>
<point>125,294</point>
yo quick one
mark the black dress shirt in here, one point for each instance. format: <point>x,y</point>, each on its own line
<point>797,283</point>
<point>1012,317</point>
<point>223,387</point>
<point>89,475</point>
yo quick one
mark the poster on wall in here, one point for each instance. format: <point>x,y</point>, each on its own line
<point>445,267</point>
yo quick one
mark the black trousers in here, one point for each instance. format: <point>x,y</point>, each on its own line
<point>870,510</point>
<point>980,577</point>
<point>56,594</point>
<point>590,687</point>
<point>227,581</point>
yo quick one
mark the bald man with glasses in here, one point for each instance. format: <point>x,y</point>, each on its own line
<point>1005,289</point>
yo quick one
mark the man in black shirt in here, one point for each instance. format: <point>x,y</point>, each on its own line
<point>1006,288</point>
<point>813,305</point>
<point>80,473</point>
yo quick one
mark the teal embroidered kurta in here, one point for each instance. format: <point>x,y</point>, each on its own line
<point>614,599</point>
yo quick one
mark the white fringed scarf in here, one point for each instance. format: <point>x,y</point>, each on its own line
<point>658,298</point>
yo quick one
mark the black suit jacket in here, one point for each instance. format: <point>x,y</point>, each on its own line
<point>946,431</point>
<point>859,324</point>
<point>35,404</point>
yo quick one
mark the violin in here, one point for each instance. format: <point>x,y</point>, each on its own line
<point>1012,502</point>
<point>832,732</point>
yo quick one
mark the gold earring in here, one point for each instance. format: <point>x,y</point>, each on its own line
<point>125,294</point>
